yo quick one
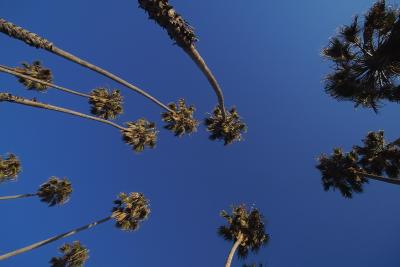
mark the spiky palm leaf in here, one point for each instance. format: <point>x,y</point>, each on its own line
<point>180,121</point>
<point>55,191</point>
<point>140,134</point>
<point>75,255</point>
<point>105,103</point>
<point>35,70</point>
<point>10,167</point>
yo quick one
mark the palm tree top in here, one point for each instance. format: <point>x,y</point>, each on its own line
<point>165,15</point>
<point>10,167</point>
<point>140,134</point>
<point>228,129</point>
<point>366,59</point>
<point>130,209</point>
<point>74,255</point>
<point>180,121</point>
<point>37,71</point>
<point>247,224</point>
<point>105,103</point>
<point>55,191</point>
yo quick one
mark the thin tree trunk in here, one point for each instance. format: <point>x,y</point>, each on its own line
<point>17,196</point>
<point>15,99</point>
<point>12,71</point>
<point>35,40</point>
<point>52,239</point>
<point>380,178</point>
<point>233,250</point>
<point>196,57</point>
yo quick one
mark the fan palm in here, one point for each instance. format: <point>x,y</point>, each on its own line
<point>366,59</point>
<point>74,255</point>
<point>246,229</point>
<point>129,211</point>
<point>347,172</point>
<point>54,192</point>
<point>184,36</point>
<point>10,167</point>
<point>138,134</point>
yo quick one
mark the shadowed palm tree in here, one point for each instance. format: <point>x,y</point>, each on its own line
<point>138,134</point>
<point>105,104</point>
<point>246,229</point>
<point>54,192</point>
<point>35,40</point>
<point>74,255</point>
<point>129,211</point>
<point>366,58</point>
<point>180,121</point>
<point>10,167</point>
<point>183,34</point>
<point>347,172</point>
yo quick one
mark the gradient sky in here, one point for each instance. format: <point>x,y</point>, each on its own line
<point>266,55</point>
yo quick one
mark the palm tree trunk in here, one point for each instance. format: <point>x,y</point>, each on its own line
<point>52,239</point>
<point>380,178</point>
<point>17,196</point>
<point>233,250</point>
<point>20,100</point>
<point>196,57</point>
<point>35,40</point>
<point>14,72</point>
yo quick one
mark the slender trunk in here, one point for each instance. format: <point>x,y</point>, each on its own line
<point>17,196</point>
<point>14,72</point>
<point>15,99</point>
<point>380,178</point>
<point>233,250</point>
<point>52,239</point>
<point>196,57</point>
<point>37,41</point>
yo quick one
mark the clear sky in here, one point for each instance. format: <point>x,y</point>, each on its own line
<point>266,55</point>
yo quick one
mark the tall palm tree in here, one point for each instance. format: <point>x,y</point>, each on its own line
<point>74,255</point>
<point>246,229</point>
<point>138,134</point>
<point>375,160</point>
<point>184,36</point>
<point>10,167</point>
<point>35,40</point>
<point>129,211</point>
<point>366,59</point>
<point>53,192</point>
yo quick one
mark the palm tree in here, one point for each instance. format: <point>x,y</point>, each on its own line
<point>54,192</point>
<point>10,167</point>
<point>366,61</point>
<point>347,172</point>
<point>74,255</point>
<point>138,134</point>
<point>246,229</point>
<point>183,34</point>
<point>35,40</point>
<point>129,211</point>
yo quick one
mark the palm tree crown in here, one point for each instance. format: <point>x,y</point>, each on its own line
<point>106,104</point>
<point>140,134</point>
<point>35,70</point>
<point>180,121</point>
<point>55,191</point>
<point>130,210</point>
<point>366,59</point>
<point>10,167</point>
<point>348,171</point>
<point>75,255</point>
<point>247,225</point>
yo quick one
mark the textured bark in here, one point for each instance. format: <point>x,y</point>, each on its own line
<point>232,252</point>
<point>17,196</point>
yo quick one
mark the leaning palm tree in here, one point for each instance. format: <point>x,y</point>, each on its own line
<point>74,255</point>
<point>53,192</point>
<point>10,167</point>
<point>138,134</point>
<point>366,59</point>
<point>129,211</point>
<point>183,34</point>
<point>246,229</point>
<point>348,172</point>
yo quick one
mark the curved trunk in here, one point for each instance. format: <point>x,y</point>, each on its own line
<point>380,178</point>
<point>17,196</point>
<point>20,100</point>
<point>12,71</point>
<point>232,252</point>
<point>52,239</point>
<point>196,57</point>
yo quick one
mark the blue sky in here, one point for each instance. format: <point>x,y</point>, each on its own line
<point>266,55</point>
